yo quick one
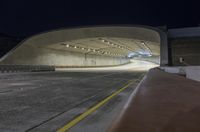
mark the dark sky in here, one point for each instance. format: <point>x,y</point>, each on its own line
<point>27,17</point>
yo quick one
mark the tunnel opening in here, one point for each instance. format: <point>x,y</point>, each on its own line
<point>99,46</point>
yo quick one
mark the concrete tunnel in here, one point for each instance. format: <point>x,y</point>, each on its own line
<point>88,46</point>
<point>162,98</point>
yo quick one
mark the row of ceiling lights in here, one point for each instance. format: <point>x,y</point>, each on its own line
<point>144,44</point>
<point>115,45</point>
<point>91,50</point>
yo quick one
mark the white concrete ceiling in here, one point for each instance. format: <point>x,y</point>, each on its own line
<point>107,46</point>
<point>109,41</point>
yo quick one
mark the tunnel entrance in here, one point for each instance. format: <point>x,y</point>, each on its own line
<point>87,47</point>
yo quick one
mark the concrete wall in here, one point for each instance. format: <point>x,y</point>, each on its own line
<point>184,32</point>
<point>154,59</point>
<point>186,48</point>
<point>29,55</point>
<point>184,44</point>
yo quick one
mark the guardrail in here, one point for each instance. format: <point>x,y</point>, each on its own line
<point>25,68</point>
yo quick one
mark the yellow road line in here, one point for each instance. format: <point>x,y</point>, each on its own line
<point>92,109</point>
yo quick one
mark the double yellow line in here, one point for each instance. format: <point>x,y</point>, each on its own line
<point>92,109</point>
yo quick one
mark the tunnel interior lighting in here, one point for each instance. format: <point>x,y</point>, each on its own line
<point>99,51</point>
<point>116,45</point>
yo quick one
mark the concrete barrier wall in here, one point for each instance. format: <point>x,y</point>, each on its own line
<point>25,68</point>
<point>191,72</point>
<point>30,55</point>
<point>154,59</point>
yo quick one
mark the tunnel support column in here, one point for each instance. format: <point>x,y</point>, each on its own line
<point>163,49</point>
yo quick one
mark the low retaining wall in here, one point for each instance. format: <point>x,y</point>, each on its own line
<point>191,72</point>
<point>25,68</point>
<point>154,59</point>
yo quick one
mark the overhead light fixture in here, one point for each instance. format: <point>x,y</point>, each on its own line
<point>67,45</point>
<point>82,48</point>
<point>75,47</point>
<point>103,40</point>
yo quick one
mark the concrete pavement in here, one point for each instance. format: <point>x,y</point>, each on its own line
<point>47,101</point>
<point>29,101</point>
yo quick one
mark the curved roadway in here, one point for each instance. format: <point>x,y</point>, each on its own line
<point>47,101</point>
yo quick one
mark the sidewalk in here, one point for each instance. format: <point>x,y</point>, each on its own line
<point>164,102</point>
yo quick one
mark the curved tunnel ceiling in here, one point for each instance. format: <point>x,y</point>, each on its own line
<point>111,41</point>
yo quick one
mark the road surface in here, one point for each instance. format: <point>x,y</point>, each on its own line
<point>48,101</point>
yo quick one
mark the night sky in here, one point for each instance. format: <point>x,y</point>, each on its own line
<point>28,17</point>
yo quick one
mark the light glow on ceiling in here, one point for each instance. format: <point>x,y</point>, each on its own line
<point>99,51</point>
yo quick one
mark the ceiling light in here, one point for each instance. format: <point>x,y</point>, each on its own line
<point>82,48</point>
<point>67,45</point>
<point>75,47</point>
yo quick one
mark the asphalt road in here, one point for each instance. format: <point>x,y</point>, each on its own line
<point>47,101</point>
